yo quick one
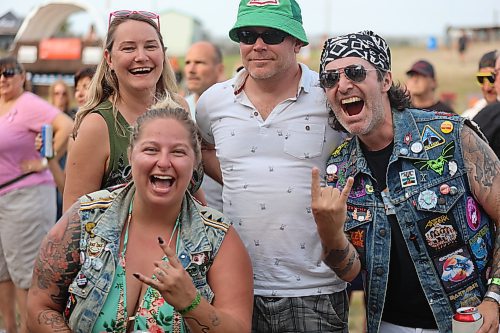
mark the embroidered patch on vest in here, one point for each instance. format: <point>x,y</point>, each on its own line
<point>439,232</point>
<point>360,214</point>
<point>473,214</point>
<point>455,269</point>
<point>408,178</point>
<point>431,138</point>
<point>437,164</point>
<point>481,245</point>
<point>468,296</point>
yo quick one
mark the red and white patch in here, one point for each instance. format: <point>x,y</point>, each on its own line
<point>261,3</point>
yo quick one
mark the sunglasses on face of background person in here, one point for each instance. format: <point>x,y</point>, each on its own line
<point>127,13</point>
<point>485,77</point>
<point>270,36</point>
<point>355,73</point>
<point>10,72</point>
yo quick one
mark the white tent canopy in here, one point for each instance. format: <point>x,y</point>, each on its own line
<point>44,20</point>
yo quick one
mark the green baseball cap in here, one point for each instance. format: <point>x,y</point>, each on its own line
<point>283,15</point>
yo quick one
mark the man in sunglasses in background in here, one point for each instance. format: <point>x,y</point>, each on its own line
<point>422,85</point>
<point>269,126</point>
<point>412,199</point>
<point>488,118</point>
<point>485,77</point>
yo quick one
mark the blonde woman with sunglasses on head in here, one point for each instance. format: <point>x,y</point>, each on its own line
<point>133,74</point>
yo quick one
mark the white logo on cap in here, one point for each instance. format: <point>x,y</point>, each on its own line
<point>263,3</point>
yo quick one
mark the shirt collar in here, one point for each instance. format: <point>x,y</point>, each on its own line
<point>306,81</point>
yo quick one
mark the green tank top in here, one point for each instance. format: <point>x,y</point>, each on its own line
<point>118,170</point>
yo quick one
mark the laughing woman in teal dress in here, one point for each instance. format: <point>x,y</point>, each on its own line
<point>145,256</point>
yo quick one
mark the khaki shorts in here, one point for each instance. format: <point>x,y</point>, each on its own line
<point>26,215</point>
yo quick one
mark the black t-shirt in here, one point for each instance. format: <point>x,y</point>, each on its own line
<point>488,120</point>
<point>405,302</point>
<point>440,106</point>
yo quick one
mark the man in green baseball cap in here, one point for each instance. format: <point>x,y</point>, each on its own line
<point>264,131</point>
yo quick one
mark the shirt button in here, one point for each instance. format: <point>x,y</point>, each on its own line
<point>308,128</point>
<point>374,308</point>
<point>382,232</point>
<point>379,271</point>
<point>256,113</point>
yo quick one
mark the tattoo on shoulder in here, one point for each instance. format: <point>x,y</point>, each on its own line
<point>59,260</point>
<point>481,162</point>
<point>54,320</point>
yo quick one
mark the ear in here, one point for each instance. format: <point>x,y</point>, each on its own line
<point>297,46</point>
<point>107,56</point>
<point>220,71</point>
<point>387,82</point>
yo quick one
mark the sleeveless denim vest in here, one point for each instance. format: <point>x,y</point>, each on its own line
<point>103,214</point>
<point>447,233</point>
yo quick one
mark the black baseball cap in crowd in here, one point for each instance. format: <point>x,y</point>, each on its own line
<point>422,67</point>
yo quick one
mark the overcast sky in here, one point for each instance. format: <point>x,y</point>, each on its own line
<point>386,17</point>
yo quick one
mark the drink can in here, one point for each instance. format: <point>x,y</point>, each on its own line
<point>466,320</point>
<point>47,141</point>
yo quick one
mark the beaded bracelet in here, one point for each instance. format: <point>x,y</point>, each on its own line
<point>495,281</point>
<point>194,304</point>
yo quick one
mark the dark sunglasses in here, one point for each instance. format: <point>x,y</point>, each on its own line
<point>127,13</point>
<point>270,37</point>
<point>10,72</point>
<point>355,73</point>
<point>483,77</point>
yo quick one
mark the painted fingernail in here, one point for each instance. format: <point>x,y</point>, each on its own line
<point>136,275</point>
<point>160,240</point>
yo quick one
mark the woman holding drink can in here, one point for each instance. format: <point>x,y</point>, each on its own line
<point>27,199</point>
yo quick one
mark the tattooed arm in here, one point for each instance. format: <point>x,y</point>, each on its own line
<point>329,207</point>
<point>483,171</point>
<point>55,268</point>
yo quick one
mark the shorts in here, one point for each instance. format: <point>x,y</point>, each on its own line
<point>386,327</point>
<point>316,313</point>
<point>26,215</point>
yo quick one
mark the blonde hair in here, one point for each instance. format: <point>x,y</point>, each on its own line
<point>66,88</point>
<point>165,110</point>
<point>104,85</point>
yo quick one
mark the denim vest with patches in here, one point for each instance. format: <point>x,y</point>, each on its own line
<point>103,215</point>
<point>447,233</point>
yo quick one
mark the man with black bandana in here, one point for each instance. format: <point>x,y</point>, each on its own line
<point>404,177</point>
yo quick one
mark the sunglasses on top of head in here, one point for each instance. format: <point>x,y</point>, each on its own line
<point>127,13</point>
<point>485,77</point>
<point>270,36</point>
<point>10,72</point>
<point>330,78</point>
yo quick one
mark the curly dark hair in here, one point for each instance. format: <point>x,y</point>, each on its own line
<point>399,98</point>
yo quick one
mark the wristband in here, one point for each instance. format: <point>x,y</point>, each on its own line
<point>194,304</point>
<point>495,281</point>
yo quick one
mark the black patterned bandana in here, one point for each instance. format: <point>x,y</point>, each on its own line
<point>364,44</point>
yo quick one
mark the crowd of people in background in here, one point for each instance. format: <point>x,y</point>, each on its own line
<point>188,201</point>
